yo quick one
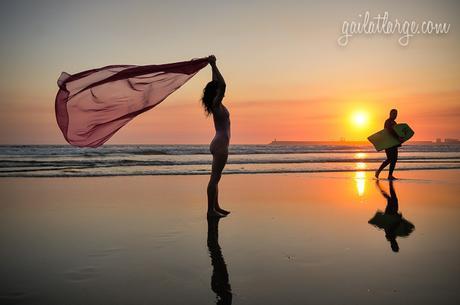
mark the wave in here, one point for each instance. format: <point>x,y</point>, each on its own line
<point>60,164</point>
<point>152,150</point>
<point>121,160</point>
<point>71,173</point>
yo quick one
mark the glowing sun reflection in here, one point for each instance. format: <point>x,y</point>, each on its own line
<point>360,178</point>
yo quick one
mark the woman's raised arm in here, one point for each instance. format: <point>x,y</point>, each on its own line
<point>217,76</point>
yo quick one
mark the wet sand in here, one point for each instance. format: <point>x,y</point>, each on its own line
<point>290,239</point>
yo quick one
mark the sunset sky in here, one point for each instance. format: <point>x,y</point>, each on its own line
<point>287,78</point>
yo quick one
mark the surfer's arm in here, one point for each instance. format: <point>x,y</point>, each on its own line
<point>392,131</point>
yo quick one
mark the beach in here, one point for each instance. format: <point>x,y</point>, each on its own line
<point>291,238</point>
<point>230,152</point>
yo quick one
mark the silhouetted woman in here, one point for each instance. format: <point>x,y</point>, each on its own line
<point>213,94</point>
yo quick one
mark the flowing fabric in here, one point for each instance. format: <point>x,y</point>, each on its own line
<point>92,105</point>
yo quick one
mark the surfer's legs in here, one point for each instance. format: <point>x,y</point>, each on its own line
<point>218,163</point>
<point>393,156</point>
<point>382,166</point>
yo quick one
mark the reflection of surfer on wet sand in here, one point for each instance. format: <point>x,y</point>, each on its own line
<point>391,221</point>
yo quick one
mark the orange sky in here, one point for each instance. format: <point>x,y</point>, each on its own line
<point>286,76</point>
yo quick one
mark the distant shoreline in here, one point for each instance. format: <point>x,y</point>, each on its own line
<point>351,143</point>
<point>286,143</point>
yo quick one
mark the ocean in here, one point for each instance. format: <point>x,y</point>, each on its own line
<point>132,160</point>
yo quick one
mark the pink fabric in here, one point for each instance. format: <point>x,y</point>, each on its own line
<point>92,105</point>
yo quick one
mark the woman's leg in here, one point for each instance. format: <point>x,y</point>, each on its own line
<point>218,208</point>
<point>216,204</point>
<point>218,164</point>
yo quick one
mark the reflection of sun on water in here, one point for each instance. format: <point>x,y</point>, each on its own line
<point>360,155</point>
<point>360,178</point>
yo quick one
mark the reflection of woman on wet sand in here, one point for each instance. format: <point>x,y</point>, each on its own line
<point>219,279</point>
<point>391,221</point>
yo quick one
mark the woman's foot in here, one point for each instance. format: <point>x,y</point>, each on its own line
<point>377,173</point>
<point>222,211</point>
<point>215,213</point>
<point>392,178</point>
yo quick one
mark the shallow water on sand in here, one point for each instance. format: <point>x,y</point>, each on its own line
<point>290,239</point>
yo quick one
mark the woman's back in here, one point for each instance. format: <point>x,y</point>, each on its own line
<point>221,118</point>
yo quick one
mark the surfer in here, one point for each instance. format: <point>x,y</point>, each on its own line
<point>213,94</point>
<point>392,152</point>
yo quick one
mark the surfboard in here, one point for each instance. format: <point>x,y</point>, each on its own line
<point>384,139</point>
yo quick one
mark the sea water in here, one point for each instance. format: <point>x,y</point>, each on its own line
<point>131,160</point>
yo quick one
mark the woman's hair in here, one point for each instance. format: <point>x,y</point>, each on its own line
<point>209,93</point>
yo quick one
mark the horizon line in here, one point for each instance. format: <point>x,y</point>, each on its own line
<point>415,142</point>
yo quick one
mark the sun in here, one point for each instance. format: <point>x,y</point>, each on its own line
<point>360,119</point>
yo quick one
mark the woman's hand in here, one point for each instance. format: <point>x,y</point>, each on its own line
<point>212,59</point>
